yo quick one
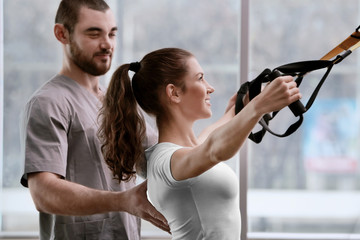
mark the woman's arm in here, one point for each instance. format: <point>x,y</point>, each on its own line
<point>226,140</point>
<point>229,114</point>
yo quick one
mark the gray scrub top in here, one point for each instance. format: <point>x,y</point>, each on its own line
<point>59,135</point>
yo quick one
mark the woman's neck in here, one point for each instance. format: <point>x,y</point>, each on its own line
<point>178,132</point>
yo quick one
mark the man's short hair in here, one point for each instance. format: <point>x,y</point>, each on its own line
<point>68,11</point>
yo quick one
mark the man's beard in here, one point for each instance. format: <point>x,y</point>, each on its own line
<point>86,64</point>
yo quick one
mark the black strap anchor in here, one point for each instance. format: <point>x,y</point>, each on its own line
<point>297,70</point>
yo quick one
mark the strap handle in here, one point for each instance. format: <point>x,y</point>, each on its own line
<point>298,69</point>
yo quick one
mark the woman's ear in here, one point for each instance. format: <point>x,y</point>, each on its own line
<point>61,33</point>
<point>172,93</point>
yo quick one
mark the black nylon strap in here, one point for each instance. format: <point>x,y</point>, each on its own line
<point>298,70</point>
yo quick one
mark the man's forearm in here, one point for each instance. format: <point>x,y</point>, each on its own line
<point>54,195</point>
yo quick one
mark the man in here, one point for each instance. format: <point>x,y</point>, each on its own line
<point>69,182</point>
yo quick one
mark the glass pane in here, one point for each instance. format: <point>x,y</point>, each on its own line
<point>307,182</point>
<point>32,55</point>
<point>209,29</point>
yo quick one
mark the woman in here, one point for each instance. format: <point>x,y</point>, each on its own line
<point>187,179</point>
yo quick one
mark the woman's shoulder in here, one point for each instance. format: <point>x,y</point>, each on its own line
<point>161,151</point>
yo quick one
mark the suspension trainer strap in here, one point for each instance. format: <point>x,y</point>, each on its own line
<point>348,43</point>
<point>298,70</point>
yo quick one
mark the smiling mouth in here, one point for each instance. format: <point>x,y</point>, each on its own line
<point>103,54</point>
<point>103,57</point>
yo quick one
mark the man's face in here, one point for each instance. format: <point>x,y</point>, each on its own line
<point>93,41</point>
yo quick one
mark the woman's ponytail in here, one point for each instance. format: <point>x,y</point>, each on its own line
<point>122,127</point>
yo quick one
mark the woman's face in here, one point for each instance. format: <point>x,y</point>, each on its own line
<point>195,99</point>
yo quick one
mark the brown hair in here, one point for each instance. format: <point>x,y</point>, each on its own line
<point>68,11</point>
<point>122,128</point>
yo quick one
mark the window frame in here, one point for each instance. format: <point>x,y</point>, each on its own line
<point>243,156</point>
<point>2,101</point>
<point>244,76</point>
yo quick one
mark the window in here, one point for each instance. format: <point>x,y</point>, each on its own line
<point>197,26</point>
<point>309,181</point>
<point>32,55</point>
